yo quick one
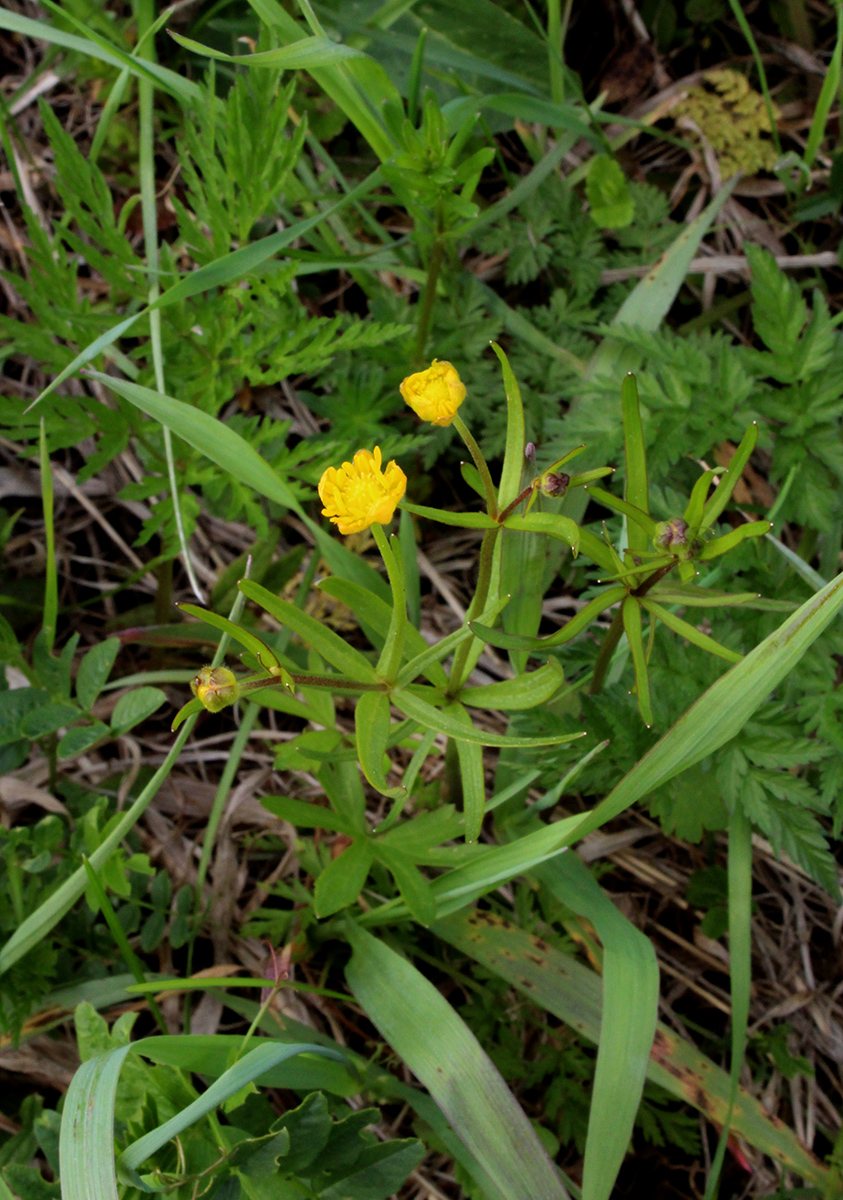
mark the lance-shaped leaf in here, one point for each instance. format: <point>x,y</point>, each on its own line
<point>441,1051</point>
<point>419,665</point>
<point>414,888</point>
<point>470,755</point>
<point>693,514</point>
<point>309,52</point>
<point>722,493</point>
<point>644,523</point>
<point>632,628</point>
<point>443,721</point>
<point>266,657</point>
<point>525,691</point>
<point>465,520</point>
<point>686,630</point>
<point>342,881</point>
<point>372,724</point>
<point>722,545</point>
<point>486,870</point>
<point>637,489</point>
<point>553,524</point>
<point>308,816</point>
<point>324,641</point>
<point>666,592</point>
<point>514,641</point>
<point>375,614</point>
<point>513,458</point>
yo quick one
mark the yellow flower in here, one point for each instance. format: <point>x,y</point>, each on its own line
<point>434,394</point>
<point>216,687</point>
<point>357,494</point>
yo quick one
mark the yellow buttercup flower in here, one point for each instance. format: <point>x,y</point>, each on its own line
<point>434,394</point>
<point>358,494</point>
<point>216,687</point>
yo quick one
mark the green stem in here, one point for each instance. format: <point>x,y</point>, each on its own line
<point>426,307</point>
<point>51,587</point>
<point>510,508</point>
<point>393,650</point>
<point>610,643</point>
<point>334,682</point>
<point>481,465</point>
<point>484,580</point>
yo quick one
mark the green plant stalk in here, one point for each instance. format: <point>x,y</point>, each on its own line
<point>557,27</point>
<point>428,299</point>
<point>393,648</point>
<point>829,90</point>
<point>740,968</point>
<point>36,927</point>
<point>51,589</point>
<point>484,581</point>
<point>122,942</point>
<point>481,465</point>
<point>607,649</point>
<point>144,11</point>
<point>740,17</point>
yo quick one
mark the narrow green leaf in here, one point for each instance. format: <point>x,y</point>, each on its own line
<point>442,721</point>
<point>693,514</point>
<point>308,53</point>
<point>464,520</point>
<point>414,888</point>
<point>632,628</point>
<point>511,641</point>
<point>525,691</point>
<point>644,524</point>
<point>722,493</point>
<point>307,816</point>
<point>829,90</point>
<point>722,545</point>
<point>553,524</point>
<point>436,653</point>
<point>319,637</point>
<point>686,630</point>
<point>637,488</point>
<point>249,641</point>
<point>445,1056</point>
<point>470,756</point>
<point>695,597</point>
<point>513,459</point>
<point>372,725</point>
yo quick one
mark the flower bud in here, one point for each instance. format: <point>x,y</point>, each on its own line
<point>554,483</point>
<point>672,534</point>
<point>216,687</point>
<point>434,394</point>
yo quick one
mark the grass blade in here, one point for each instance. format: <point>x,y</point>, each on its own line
<point>444,1054</point>
<point>637,491</point>
<point>628,1022</point>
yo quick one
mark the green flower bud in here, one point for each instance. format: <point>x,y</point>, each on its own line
<point>216,688</point>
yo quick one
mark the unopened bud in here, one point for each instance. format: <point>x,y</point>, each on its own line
<point>216,687</point>
<point>530,452</point>
<point>554,483</point>
<point>672,534</point>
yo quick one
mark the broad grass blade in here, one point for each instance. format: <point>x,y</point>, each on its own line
<point>723,710</point>
<point>444,1054</point>
<point>650,301</point>
<point>637,491</point>
<point>573,992</point>
<point>86,1139</point>
<point>629,1011</point>
<point>513,461</point>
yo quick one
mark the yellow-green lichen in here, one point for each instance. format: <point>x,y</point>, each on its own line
<point>734,120</point>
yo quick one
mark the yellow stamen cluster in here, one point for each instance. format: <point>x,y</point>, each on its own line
<point>434,394</point>
<point>358,494</point>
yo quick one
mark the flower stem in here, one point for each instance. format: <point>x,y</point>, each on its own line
<point>393,649</point>
<point>429,297</point>
<point>610,642</point>
<point>481,594</point>
<point>481,465</point>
